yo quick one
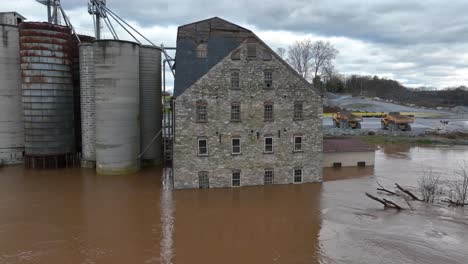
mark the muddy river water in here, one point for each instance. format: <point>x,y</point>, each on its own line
<point>75,216</point>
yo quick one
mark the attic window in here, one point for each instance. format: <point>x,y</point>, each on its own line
<point>235,55</point>
<point>251,50</point>
<point>202,50</point>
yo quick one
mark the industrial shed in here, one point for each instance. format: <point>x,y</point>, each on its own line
<point>347,152</point>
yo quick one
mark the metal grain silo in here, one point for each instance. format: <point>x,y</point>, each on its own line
<point>11,112</point>
<point>117,107</point>
<point>87,95</point>
<point>47,95</point>
<point>150,103</point>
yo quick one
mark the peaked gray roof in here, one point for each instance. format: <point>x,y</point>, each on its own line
<point>222,38</point>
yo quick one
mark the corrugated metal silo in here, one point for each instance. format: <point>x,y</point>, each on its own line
<point>117,107</point>
<point>87,95</point>
<point>11,113</point>
<point>150,103</point>
<point>47,94</point>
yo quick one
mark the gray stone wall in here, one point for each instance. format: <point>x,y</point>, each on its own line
<point>215,89</point>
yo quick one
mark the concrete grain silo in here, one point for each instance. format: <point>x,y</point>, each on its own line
<point>117,107</point>
<point>47,95</point>
<point>87,95</point>
<point>11,113</point>
<point>150,103</point>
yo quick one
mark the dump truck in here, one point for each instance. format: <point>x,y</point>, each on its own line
<point>346,119</point>
<point>395,121</point>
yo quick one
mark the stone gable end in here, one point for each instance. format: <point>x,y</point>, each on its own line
<point>214,88</point>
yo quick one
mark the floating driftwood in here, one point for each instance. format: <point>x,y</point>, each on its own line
<point>385,202</point>
<point>414,197</point>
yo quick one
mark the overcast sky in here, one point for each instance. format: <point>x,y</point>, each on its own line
<point>419,43</point>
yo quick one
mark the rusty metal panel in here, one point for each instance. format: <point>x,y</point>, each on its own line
<point>47,89</point>
<point>11,116</point>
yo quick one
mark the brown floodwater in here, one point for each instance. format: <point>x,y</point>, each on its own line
<point>76,216</point>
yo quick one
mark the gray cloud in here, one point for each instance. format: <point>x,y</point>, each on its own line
<point>416,42</point>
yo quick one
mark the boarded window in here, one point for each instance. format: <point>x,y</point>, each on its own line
<point>236,55</point>
<point>235,79</point>
<point>251,50</point>
<point>268,111</point>
<point>298,110</point>
<point>297,175</point>
<point>202,50</point>
<point>268,177</point>
<point>236,146</point>
<point>268,145</point>
<point>235,112</point>
<point>203,180</point>
<point>202,111</point>
<point>268,76</point>
<point>361,164</point>
<point>202,147</point>
<point>236,178</point>
<point>297,143</point>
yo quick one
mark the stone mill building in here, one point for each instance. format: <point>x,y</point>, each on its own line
<point>242,115</point>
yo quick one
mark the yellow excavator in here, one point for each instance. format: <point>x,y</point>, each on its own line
<point>346,119</point>
<point>395,121</point>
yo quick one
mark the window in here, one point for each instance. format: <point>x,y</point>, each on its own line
<point>298,109</point>
<point>235,55</point>
<point>297,143</point>
<point>202,50</point>
<point>251,50</point>
<point>235,79</point>
<point>297,175</point>
<point>268,111</point>
<point>361,164</point>
<point>236,146</point>
<point>268,177</point>
<point>203,180</point>
<point>236,178</point>
<point>268,77</point>
<point>268,146</point>
<point>202,111</point>
<point>202,147</point>
<point>235,112</point>
<point>337,165</point>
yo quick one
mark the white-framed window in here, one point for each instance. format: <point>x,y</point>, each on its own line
<point>268,111</point>
<point>297,143</point>
<point>203,180</point>
<point>235,79</point>
<point>268,145</point>
<point>297,175</point>
<point>236,180</point>
<point>202,147</point>
<point>298,110</point>
<point>202,50</point>
<point>201,111</point>
<point>236,146</point>
<point>268,78</point>
<point>235,112</point>
<point>268,177</point>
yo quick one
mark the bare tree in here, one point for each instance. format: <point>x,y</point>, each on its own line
<point>323,55</point>
<point>312,59</point>
<point>429,185</point>
<point>300,57</point>
<point>281,52</point>
<point>460,186</point>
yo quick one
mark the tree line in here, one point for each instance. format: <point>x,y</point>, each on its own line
<point>315,62</point>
